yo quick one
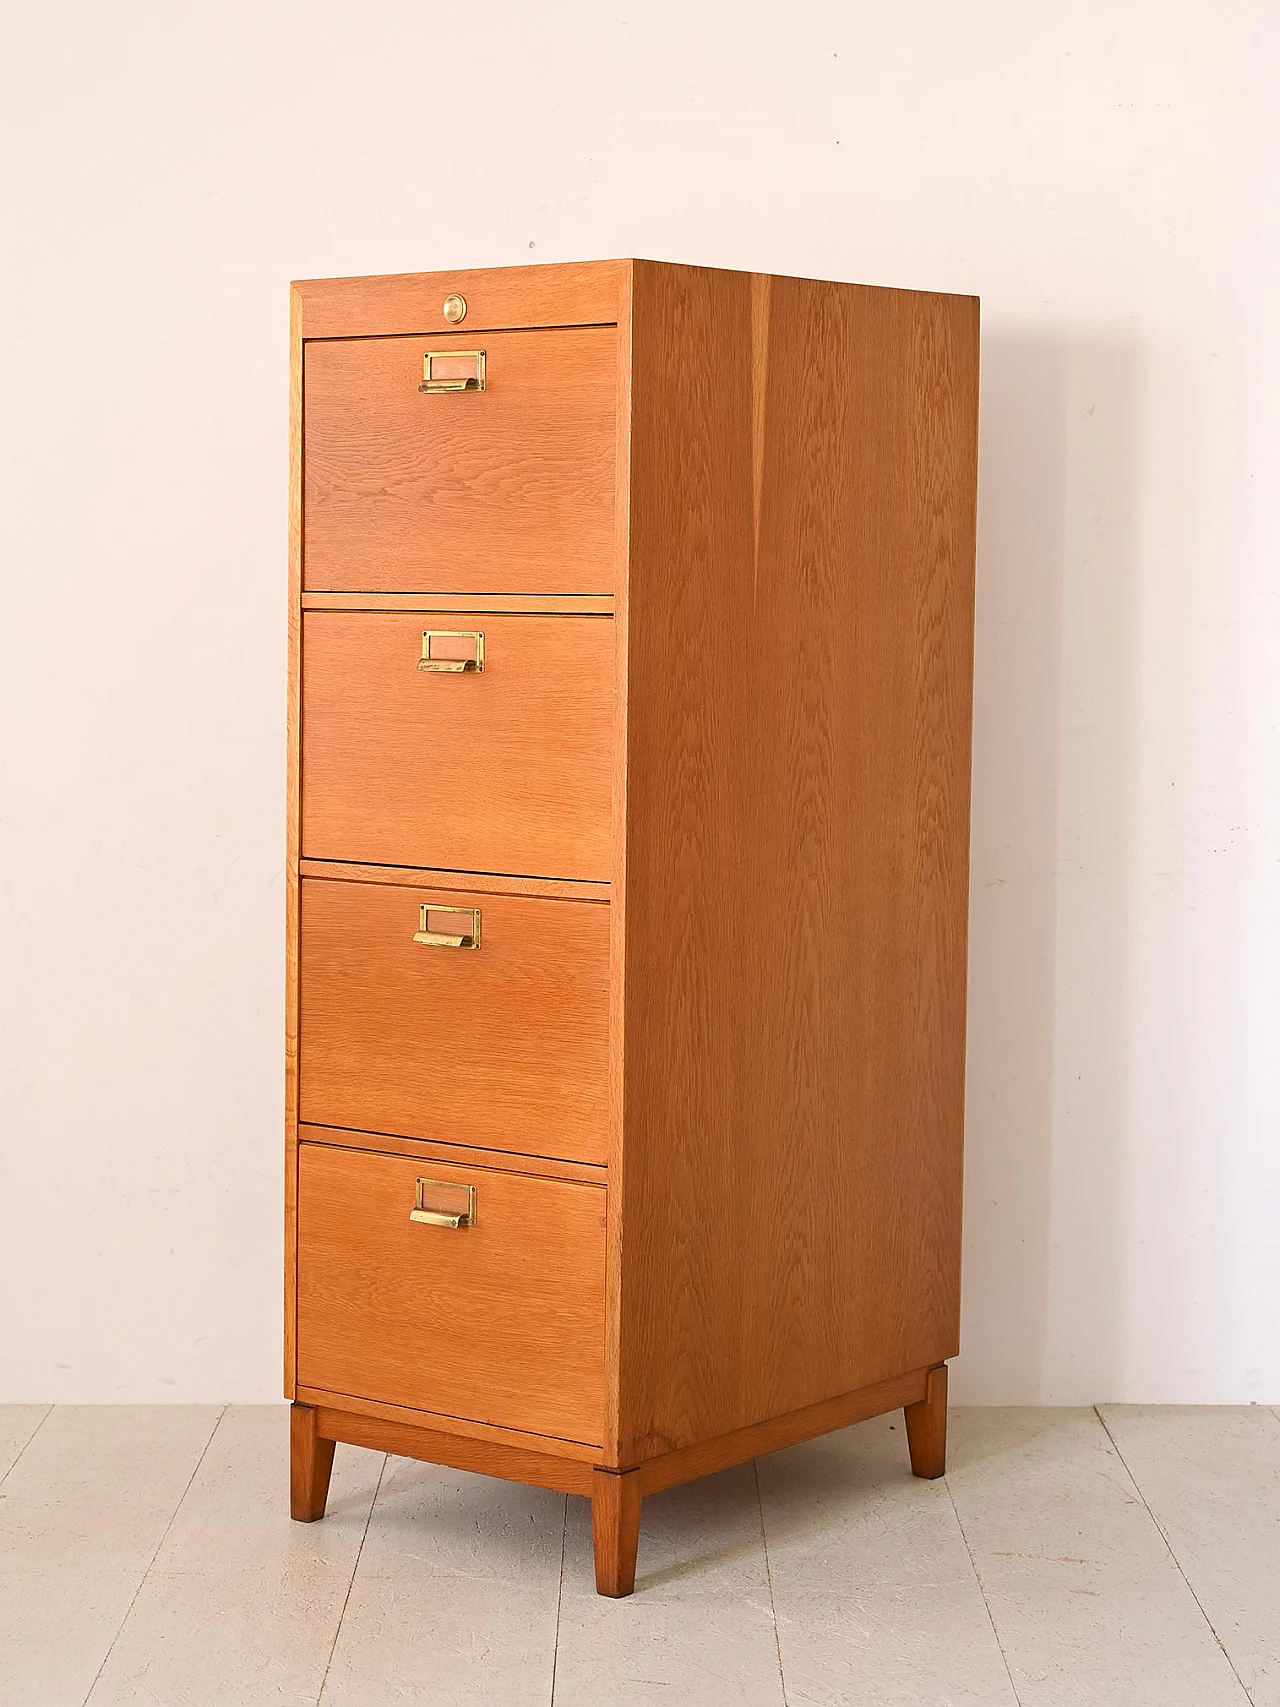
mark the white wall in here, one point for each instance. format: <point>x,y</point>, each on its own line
<point>1102,174</point>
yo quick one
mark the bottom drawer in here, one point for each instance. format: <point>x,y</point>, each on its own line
<point>500,1321</point>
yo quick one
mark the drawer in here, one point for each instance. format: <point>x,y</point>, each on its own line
<point>504,1046</point>
<point>503,769</point>
<point>509,489</point>
<point>500,1322</point>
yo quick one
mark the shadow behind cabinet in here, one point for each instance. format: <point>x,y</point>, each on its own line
<point>630,660</point>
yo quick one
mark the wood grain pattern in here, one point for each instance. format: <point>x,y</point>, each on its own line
<point>774,1434</point>
<point>433,1446</point>
<point>292,838</point>
<point>799,592</point>
<point>502,1321</point>
<point>310,1465</point>
<point>478,882</point>
<point>504,1046</point>
<point>497,604</point>
<point>505,769</point>
<point>927,1427</point>
<point>508,490</point>
<point>462,1155</point>
<point>615,1530</point>
<point>581,293</point>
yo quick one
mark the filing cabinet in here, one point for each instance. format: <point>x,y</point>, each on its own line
<point>630,649</point>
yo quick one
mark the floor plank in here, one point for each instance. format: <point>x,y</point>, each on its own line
<point>18,1423</point>
<point>454,1598</point>
<point>1089,1607</point>
<point>876,1597</point>
<point>699,1629</point>
<point>1211,1477</point>
<point>82,1513</point>
<point>241,1607</point>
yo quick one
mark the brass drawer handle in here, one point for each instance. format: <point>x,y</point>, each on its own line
<point>430,660</point>
<point>442,1217</point>
<point>447,939</point>
<point>447,370</point>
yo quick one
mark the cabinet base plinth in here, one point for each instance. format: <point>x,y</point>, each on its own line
<point>615,1493</point>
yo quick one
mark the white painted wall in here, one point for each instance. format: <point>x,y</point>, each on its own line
<point>1102,174</point>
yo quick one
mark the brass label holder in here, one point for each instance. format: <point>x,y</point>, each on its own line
<point>452,666</point>
<point>469,938</point>
<point>442,1217</point>
<point>433,381</point>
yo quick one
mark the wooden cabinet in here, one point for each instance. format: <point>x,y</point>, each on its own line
<point>630,656</point>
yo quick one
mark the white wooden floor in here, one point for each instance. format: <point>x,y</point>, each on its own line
<point>1097,1559</point>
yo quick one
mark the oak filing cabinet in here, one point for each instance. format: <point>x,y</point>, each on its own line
<point>630,659</point>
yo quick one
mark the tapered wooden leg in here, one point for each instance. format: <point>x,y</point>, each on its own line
<point>310,1461</point>
<point>615,1529</point>
<point>927,1427</point>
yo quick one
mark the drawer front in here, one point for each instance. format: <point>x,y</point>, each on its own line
<point>500,1322</point>
<point>504,769</point>
<point>509,489</point>
<point>504,1046</point>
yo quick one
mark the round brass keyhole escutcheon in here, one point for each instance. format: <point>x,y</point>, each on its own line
<point>455,308</point>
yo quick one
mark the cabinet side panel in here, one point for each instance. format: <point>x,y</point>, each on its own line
<point>799,680</point>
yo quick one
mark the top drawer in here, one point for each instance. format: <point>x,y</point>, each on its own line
<point>509,489</point>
